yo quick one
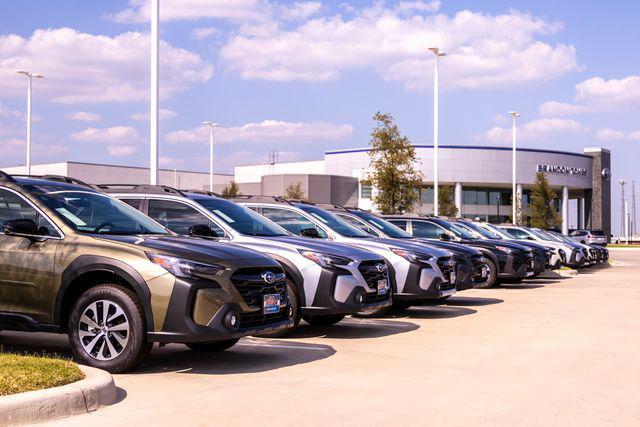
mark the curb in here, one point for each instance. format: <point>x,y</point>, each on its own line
<point>555,274</point>
<point>97,389</point>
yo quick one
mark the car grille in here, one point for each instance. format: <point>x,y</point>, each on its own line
<point>252,287</point>
<point>478,267</point>
<point>371,274</point>
<point>594,253</point>
<point>585,252</point>
<point>446,266</point>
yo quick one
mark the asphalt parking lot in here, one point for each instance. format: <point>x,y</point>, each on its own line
<point>562,351</point>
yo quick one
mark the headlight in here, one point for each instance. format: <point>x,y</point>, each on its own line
<point>184,268</point>
<point>412,256</point>
<point>326,260</point>
<point>504,249</point>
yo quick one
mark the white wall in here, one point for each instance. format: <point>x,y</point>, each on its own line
<point>254,173</point>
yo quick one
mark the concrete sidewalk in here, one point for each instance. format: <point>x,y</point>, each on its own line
<point>549,352</point>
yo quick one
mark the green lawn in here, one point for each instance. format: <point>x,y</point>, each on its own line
<point>615,245</point>
<point>20,373</point>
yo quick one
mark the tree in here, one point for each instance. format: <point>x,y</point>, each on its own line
<point>392,163</point>
<point>230,191</point>
<point>294,191</point>
<point>543,212</point>
<point>446,202</point>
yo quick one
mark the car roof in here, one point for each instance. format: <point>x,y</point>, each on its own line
<point>53,185</point>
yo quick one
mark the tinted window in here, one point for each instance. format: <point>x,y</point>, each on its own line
<point>240,218</point>
<point>134,203</point>
<point>290,220</point>
<point>383,225</point>
<point>179,217</point>
<point>358,223</point>
<point>426,229</point>
<point>516,233</point>
<point>14,207</point>
<point>400,223</point>
<point>333,222</point>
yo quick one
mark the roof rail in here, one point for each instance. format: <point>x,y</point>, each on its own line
<point>206,192</point>
<point>59,178</point>
<point>273,199</point>
<point>139,188</point>
<point>6,177</point>
<point>331,206</point>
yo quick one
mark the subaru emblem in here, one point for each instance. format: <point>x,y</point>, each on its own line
<point>268,277</point>
<point>381,267</point>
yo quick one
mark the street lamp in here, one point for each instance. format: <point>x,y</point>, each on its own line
<point>211,126</point>
<point>438,53</point>
<point>30,77</point>
<point>514,115</point>
<point>154,93</point>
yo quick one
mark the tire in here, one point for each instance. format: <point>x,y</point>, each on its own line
<point>212,347</point>
<point>294,299</point>
<point>323,319</point>
<point>376,312</point>
<point>444,298</point>
<point>105,347</point>
<point>401,305</point>
<point>493,275</point>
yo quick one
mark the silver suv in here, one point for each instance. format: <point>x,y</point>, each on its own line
<point>589,237</point>
<point>327,281</point>
<point>418,272</point>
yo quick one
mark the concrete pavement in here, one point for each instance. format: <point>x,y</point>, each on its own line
<point>548,352</point>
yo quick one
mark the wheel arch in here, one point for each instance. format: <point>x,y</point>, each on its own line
<point>292,271</point>
<point>87,271</point>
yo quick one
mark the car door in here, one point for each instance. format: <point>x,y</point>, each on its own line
<point>26,265</point>
<point>179,217</point>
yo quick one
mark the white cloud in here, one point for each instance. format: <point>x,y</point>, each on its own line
<point>597,95</point>
<point>121,150</point>
<point>299,10</point>
<point>608,134</point>
<point>163,113</point>
<point>265,131</point>
<point>535,130</point>
<point>172,10</point>
<point>101,68</point>
<point>204,32</point>
<point>484,51</point>
<point>418,6</point>
<point>16,146</point>
<point>83,116</point>
<point>634,135</point>
<point>123,135</point>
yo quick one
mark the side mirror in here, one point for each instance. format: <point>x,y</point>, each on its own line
<point>310,232</point>
<point>445,237</point>
<point>202,230</point>
<point>20,228</point>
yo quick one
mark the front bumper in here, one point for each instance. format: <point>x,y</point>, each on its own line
<point>340,292</point>
<point>577,258</point>
<point>424,282</point>
<point>516,266</point>
<point>201,311</point>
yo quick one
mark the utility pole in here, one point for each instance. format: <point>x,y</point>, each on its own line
<point>623,215</point>
<point>633,208</point>
<point>436,134</point>
<point>30,77</point>
<point>154,95</point>
<point>514,201</point>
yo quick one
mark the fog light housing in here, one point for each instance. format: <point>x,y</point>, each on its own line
<point>232,320</point>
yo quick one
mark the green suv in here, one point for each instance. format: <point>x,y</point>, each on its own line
<point>74,260</point>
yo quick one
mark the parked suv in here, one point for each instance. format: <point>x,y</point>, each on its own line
<point>326,281</point>
<point>74,260</point>
<point>471,267</point>
<point>507,261</point>
<point>589,237</point>
<point>417,273</point>
<point>572,256</point>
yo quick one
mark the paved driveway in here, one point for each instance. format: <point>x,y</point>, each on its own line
<point>563,352</point>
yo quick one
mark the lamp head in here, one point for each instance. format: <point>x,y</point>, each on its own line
<point>436,51</point>
<point>29,74</point>
<point>514,114</point>
<point>210,124</point>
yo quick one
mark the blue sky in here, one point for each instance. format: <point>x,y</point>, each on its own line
<point>303,77</point>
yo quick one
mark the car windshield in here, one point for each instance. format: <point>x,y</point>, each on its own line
<point>561,237</point>
<point>242,219</point>
<point>458,231</point>
<point>501,234</point>
<point>333,222</point>
<point>96,213</point>
<point>480,230</point>
<point>391,230</point>
<point>541,234</point>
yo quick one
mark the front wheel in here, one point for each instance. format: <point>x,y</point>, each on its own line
<point>493,276</point>
<point>107,329</point>
<point>323,319</point>
<point>212,347</point>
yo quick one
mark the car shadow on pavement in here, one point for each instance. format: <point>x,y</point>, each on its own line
<point>461,301</point>
<point>430,312</point>
<point>250,355</point>
<point>520,286</point>
<point>354,328</point>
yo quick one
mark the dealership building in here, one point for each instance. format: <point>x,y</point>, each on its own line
<point>480,175</point>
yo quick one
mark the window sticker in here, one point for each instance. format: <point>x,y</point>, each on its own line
<point>315,215</point>
<point>71,217</point>
<point>224,216</point>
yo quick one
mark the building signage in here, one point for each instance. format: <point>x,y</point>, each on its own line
<point>562,170</point>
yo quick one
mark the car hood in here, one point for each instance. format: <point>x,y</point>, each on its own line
<point>190,248</point>
<point>303,243</point>
<point>385,243</point>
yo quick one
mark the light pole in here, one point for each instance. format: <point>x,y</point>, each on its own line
<point>436,77</point>
<point>514,196</point>
<point>623,206</point>
<point>211,125</point>
<point>154,90</point>
<point>30,77</point>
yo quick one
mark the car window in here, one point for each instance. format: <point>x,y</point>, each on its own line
<point>517,233</point>
<point>381,224</point>
<point>13,207</point>
<point>399,223</point>
<point>179,217</point>
<point>357,223</point>
<point>291,221</point>
<point>331,221</point>
<point>240,218</point>
<point>134,203</point>
<point>426,230</point>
